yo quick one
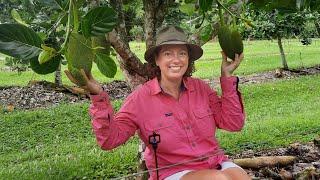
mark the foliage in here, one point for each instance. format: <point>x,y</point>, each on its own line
<point>16,64</point>
<point>95,22</point>
<point>273,25</point>
<point>137,33</point>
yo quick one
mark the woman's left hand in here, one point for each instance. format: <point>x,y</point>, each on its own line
<point>227,68</point>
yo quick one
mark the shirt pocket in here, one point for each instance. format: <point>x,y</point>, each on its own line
<point>204,122</point>
<point>169,131</point>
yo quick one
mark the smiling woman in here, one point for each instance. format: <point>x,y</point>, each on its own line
<point>175,115</point>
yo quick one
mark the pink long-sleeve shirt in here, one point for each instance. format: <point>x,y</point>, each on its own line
<point>186,126</point>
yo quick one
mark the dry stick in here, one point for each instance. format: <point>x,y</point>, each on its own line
<point>264,161</point>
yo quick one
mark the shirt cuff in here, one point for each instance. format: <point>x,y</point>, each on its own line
<point>229,84</point>
<point>100,98</point>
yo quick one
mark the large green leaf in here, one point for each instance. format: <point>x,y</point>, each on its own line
<point>47,67</point>
<point>19,41</point>
<point>205,5</point>
<point>99,21</point>
<point>106,65</point>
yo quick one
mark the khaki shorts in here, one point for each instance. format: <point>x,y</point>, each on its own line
<point>224,166</point>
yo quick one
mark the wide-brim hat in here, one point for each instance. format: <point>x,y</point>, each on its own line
<point>173,35</point>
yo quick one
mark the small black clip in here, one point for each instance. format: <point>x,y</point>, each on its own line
<point>154,139</point>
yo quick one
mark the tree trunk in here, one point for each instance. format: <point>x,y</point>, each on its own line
<point>317,24</point>
<point>154,12</point>
<point>283,56</point>
<point>133,69</point>
<point>57,76</point>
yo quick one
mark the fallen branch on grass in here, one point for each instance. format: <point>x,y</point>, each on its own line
<point>265,161</point>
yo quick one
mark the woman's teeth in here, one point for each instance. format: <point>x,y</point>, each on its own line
<point>175,67</point>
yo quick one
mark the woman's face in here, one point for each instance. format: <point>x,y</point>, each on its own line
<point>173,61</point>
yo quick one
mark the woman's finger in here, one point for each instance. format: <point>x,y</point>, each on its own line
<point>224,59</point>
<point>73,80</point>
<point>89,75</point>
<point>236,60</point>
<point>84,75</point>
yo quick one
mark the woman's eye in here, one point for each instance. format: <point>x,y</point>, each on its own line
<point>167,53</point>
<point>183,54</point>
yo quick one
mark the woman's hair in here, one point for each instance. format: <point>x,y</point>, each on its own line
<point>154,70</point>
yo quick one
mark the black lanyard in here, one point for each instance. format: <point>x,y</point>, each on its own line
<point>154,139</point>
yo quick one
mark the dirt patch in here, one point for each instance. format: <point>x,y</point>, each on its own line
<point>272,76</point>
<point>306,166</point>
<point>44,94</point>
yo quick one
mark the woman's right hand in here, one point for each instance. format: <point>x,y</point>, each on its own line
<point>91,85</point>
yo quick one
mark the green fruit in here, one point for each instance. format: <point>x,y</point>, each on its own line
<point>79,56</point>
<point>230,41</point>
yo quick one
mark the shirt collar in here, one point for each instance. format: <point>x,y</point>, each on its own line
<point>156,89</point>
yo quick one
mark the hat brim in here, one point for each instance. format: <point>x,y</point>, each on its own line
<point>195,51</point>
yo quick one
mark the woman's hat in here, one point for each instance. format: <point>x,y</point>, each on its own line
<point>173,35</point>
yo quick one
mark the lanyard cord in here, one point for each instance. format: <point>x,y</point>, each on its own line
<point>155,157</point>
<point>154,139</point>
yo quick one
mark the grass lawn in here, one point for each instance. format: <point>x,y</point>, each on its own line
<point>259,56</point>
<point>58,143</point>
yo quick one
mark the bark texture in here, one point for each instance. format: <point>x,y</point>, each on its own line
<point>283,56</point>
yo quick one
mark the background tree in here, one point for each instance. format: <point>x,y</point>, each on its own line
<point>282,19</point>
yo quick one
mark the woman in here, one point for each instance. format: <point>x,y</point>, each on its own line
<point>175,115</point>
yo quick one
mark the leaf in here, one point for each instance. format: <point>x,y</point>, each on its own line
<point>315,5</point>
<point>98,21</point>
<point>47,67</point>
<point>205,5</point>
<point>46,54</point>
<point>206,33</point>
<point>187,9</point>
<point>19,41</point>
<point>63,4</point>
<point>16,16</point>
<point>106,65</point>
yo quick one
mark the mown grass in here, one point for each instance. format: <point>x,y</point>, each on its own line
<point>58,143</point>
<point>259,56</point>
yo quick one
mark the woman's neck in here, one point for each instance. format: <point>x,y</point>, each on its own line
<point>171,87</point>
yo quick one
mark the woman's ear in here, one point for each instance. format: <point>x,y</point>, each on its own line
<point>156,60</point>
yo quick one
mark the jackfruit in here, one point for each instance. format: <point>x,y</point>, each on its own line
<point>230,41</point>
<point>79,56</point>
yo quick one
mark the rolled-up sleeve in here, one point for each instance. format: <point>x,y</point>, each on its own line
<point>228,109</point>
<point>111,130</point>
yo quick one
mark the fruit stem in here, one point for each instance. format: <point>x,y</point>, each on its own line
<point>63,46</point>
